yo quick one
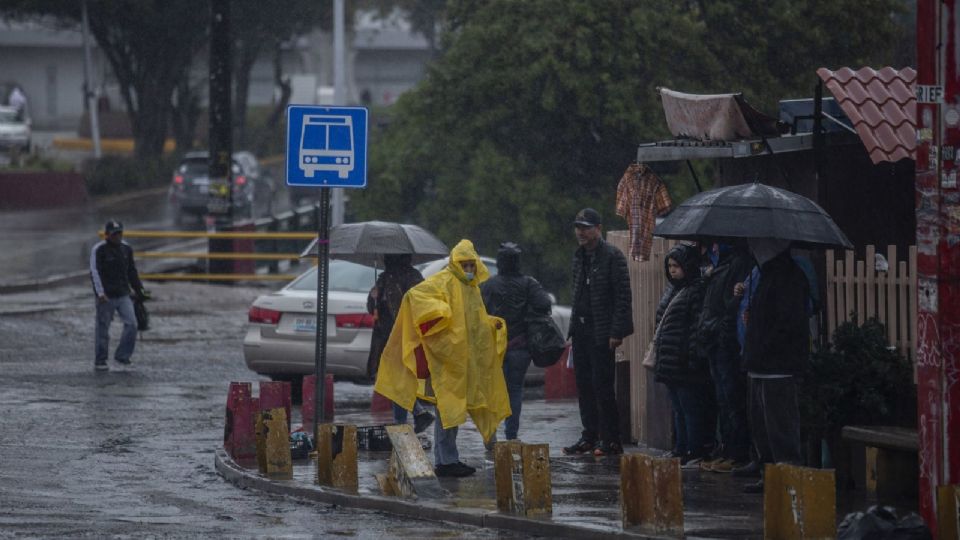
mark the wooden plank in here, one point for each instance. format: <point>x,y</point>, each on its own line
<point>892,295</point>
<point>277,443</point>
<point>842,311</point>
<point>948,511</point>
<point>902,322</point>
<point>848,283</point>
<point>337,456</point>
<point>882,298</point>
<point>799,503</point>
<point>831,276</point>
<point>522,477</point>
<point>870,282</point>
<point>410,470</point>
<point>860,281</point>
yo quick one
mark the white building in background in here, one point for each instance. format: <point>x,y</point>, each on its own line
<point>384,59</point>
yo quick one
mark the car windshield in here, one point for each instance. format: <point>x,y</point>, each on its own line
<point>344,276</point>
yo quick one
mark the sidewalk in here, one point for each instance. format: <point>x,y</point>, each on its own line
<point>585,489</point>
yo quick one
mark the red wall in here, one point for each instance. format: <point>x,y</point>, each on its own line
<point>26,190</point>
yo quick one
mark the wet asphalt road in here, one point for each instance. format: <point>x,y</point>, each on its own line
<point>129,453</point>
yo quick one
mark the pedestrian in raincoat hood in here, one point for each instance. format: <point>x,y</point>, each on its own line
<point>463,348</point>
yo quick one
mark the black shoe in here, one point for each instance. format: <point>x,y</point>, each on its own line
<point>608,449</point>
<point>101,366</point>
<point>750,470</point>
<point>582,446</point>
<point>422,421</point>
<point>756,487</point>
<point>454,470</point>
<point>122,362</point>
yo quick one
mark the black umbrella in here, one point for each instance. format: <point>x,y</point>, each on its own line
<point>368,241</point>
<point>753,211</point>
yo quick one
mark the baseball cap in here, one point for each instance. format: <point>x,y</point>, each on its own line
<point>112,226</point>
<point>588,217</point>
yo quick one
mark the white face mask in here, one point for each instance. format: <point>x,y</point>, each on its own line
<point>468,275</point>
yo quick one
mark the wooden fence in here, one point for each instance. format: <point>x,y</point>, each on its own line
<point>856,287</point>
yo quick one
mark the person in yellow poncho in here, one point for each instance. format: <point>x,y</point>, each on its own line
<point>443,322</point>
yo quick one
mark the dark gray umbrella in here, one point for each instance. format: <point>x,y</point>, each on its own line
<point>753,211</point>
<point>367,242</point>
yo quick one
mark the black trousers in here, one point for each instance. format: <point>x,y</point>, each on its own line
<point>775,420</point>
<point>595,371</point>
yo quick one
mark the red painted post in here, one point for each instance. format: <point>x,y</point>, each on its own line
<point>559,381</point>
<point>275,394</point>
<point>307,409</point>
<point>938,250</point>
<point>378,403</point>
<point>239,438</point>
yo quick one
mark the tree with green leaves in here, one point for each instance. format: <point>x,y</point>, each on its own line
<point>535,108</point>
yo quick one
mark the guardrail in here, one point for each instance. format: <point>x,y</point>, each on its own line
<point>249,251</point>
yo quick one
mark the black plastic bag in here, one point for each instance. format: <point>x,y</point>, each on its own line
<point>545,341</point>
<point>143,316</point>
<point>882,523</point>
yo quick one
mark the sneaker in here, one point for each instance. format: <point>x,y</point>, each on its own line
<point>608,449</point>
<point>692,463</point>
<point>422,421</point>
<point>125,362</point>
<point>709,463</point>
<point>101,366</point>
<point>670,454</point>
<point>580,447</point>
<point>756,487</point>
<point>750,470</point>
<point>454,470</point>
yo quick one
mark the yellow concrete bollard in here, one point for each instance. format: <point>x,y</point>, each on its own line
<point>651,494</point>
<point>276,443</point>
<point>522,474</point>
<point>337,456</point>
<point>409,474</point>
<point>948,511</point>
<point>798,502</point>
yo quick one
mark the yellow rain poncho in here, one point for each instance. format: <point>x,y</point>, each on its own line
<point>464,348</point>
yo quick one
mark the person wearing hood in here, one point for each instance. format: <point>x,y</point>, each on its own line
<point>383,302</point>
<point>445,344</point>
<point>602,316</point>
<point>717,341</point>
<point>512,296</point>
<point>679,365</point>
<point>776,349</point>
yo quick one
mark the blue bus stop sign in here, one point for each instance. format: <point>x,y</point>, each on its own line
<point>327,146</point>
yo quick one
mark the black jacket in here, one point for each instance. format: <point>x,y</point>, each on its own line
<point>677,316</point>
<point>512,297</point>
<point>718,320</point>
<point>113,270</point>
<point>777,341</point>
<point>610,297</point>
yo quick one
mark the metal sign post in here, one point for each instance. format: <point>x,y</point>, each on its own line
<point>323,280</point>
<point>327,149</point>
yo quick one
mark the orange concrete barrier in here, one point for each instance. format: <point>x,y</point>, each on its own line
<point>308,408</point>
<point>559,381</point>
<point>275,394</point>
<point>239,437</point>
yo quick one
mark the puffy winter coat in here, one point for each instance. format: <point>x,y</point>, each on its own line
<point>718,319</point>
<point>677,316</point>
<point>610,297</point>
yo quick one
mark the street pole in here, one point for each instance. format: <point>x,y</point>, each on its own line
<point>220,132</point>
<point>339,92</point>
<point>88,93</point>
<point>320,343</point>
<point>938,251</point>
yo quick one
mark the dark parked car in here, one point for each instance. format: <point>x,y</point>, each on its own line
<point>190,188</point>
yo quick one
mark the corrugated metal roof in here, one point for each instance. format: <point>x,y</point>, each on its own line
<point>882,107</point>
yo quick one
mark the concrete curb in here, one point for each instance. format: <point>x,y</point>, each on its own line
<point>419,509</point>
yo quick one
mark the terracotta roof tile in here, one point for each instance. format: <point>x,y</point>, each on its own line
<point>882,107</point>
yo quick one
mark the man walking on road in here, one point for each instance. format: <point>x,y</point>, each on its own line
<point>602,316</point>
<point>113,272</point>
